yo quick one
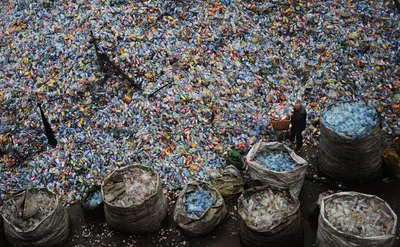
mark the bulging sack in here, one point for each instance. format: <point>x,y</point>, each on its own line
<point>199,221</point>
<point>230,183</point>
<point>347,158</point>
<point>35,217</point>
<point>356,220</point>
<point>293,180</point>
<point>269,216</point>
<point>133,200</point>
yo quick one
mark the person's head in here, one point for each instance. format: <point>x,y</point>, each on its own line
<point>297,106</point>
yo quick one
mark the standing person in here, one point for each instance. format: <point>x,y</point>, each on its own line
<point>298,122</point>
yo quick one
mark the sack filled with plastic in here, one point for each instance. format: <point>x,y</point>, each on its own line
<point>92,204</point>
<point>133,200</point>
<point>35,217</point>
<point>270,216</point>
<point>356,220</point>
<point>199,209</point>
<point>350,142</point>
<point>275,164</point>
<point>230,183</point>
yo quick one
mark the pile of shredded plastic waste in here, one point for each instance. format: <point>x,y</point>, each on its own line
<point>136,187</point>
<point>280,112</point>
<point>364,217</point>
<point>221,65</point>
<point>198,201</point>
<point>278,161</point>
<point>28,216</point>
<point>353,119</point>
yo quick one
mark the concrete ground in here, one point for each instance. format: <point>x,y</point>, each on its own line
<point>96,234</point>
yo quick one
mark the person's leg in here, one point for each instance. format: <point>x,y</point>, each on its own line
<point>299,139</point>
<point>292,134</point>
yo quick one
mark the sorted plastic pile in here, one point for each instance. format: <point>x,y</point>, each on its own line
<point>94,199</point>
<point>353,119</point>
<point>266,209</point>
<point>26,215</point>
<point>364,217</point>
<point>225,63</point>
<point>136,187</point>
<point>198,201</point>
<point>278,161</point>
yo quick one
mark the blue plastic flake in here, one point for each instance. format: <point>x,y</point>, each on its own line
<point>277,161</point>
<point>94,199</point>
<point>353,119</point>
<point>198,201</point>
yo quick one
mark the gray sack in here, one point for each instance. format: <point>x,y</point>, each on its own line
<point>51,231</point>
<point>139,219</point>
<point>292,180</point>
<point>211,218</point>
<point>328,236</point>
<point>288,233</point>
<point>348,159</point>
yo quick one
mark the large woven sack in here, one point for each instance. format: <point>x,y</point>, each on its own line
<point>329,236</point>
<point>51,231</point>
<point>230,183</point>
<point>350,159</point>
<point>292,180</point>
<point>141,218</point>
<point>210,219</point>
<point>287,233</point>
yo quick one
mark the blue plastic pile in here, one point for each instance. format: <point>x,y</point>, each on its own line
<point>198,201</point>
<point>353,119</point>
<point>94,199</point>
<point>277,161</point>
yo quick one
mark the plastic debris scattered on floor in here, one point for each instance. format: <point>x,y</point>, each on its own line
<point>198,201</point>
<point>277,161</point>
<point>353,119</point>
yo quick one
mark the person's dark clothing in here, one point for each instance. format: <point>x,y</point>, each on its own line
<point>298,125</point>
<point>299,137</point>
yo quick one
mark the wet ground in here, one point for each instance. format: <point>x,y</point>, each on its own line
<point>96,234</point>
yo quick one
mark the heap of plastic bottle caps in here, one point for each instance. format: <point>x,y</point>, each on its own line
<point>198,201</point>
<point>44,205</point>
<point>94,199</point>
<point>266,208</point>
<point>364,217</point>
<point>278,161</point>
<point>353,119</point>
